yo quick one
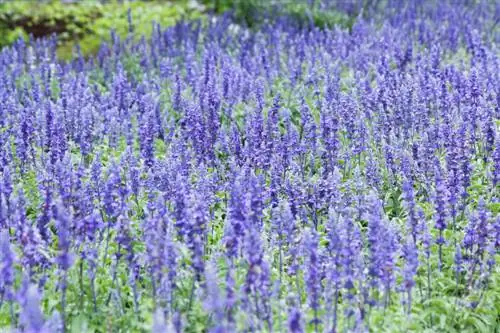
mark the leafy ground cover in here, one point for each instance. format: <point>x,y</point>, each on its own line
<point>87,24</point>
<point>287,177</point>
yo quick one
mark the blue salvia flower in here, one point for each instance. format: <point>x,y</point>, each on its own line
<point>293,247</point>
<point>49,119</point>
<point>496,161</point>
<point>282,224</point>
<point>350,258</point>
<point>23,139</point>
<point>313,275</point>
<point>256,184</point>
<point>237,218</point>
<point>470,236</point>
<point>196,231</point>
<point>466,167</point>
<point>440,199</point>
<point>389,249</point>
<point>63,224</point>
<point>31,317</point>
<point>95,174</point>
<point>214,302</point>
<point>454,168</point>
<point>64,258</point>
<point>147,136</point>
<point>85,131</point>
<point>375,239</point>
<point>152,237</point>
<point>231,297</point>
<point>7,270</point>
<point>46,212</point>
<point>373,173</point>
<point>409,198</point>
<point>177,322</point>
<point>476,239</point>
<point>170,263</point>
<point>483,229</point>
<point>256,282</point>
<point>3,212</point>
<point>89,253</point>
<point>177,100</point>
<point>7,186</point>
<point>496,233</point>
<point>27,236</point>
<point>111,195</point>
<point>159,324</point>
<point>383,246</point>
<point>295,321</point>
<point>410,254</point>
<point>54,323</point>
<point>334,267</point>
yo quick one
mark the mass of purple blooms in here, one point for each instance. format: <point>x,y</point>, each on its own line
<point>216,178</point>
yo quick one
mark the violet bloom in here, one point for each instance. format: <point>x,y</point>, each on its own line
<point>196,232</point>
<point>350,253</point>
<point>7,270</point>
<point>313,275</point>
<point>496,161</point>
<point>440,199</point>
<point>64,259</point>
<point>159,324</point>
<point>214,302</point>
<point>63,223</point>
<point>257,277</point>
<point>31,317</point>
<point>383,246</point>
<point>409,198</point>
<point>476,238</point>
<point>237,218</point>
<point>410,254</point>
<point>147,135</point>
<point>45,216</point>
<point>496,233</point>
<point>295,321</point>
<point>334,267</point>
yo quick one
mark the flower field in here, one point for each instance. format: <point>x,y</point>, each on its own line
<point>212,177</point>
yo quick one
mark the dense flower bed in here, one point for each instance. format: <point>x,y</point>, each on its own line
<point>287,179</point>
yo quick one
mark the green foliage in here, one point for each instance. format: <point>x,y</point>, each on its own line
<point>43,19</point>
<point>256,12</point>
<point>87,23</point>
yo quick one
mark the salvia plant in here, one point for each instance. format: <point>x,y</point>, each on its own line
<point>284,178</point>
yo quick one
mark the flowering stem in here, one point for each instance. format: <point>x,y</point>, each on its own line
<point>81,283</point>
<point>115,269</point>
<point>63,300</point>
<point>428,277</point>
<point>440,250</point>
<point>94,298</point>
<point>409,301</point>
<point>12,313</point>
<point>335,309</point>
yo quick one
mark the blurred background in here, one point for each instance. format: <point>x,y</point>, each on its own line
<point>88,23</point>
